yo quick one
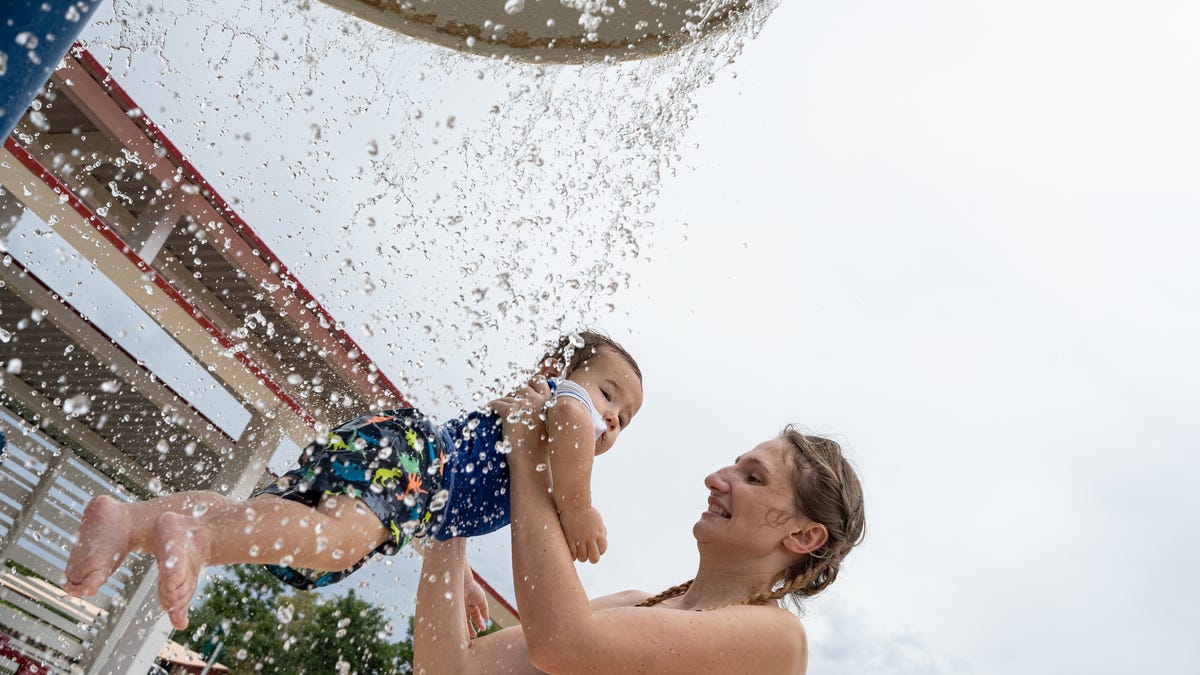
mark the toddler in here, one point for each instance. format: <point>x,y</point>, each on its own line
<point>373,485</point>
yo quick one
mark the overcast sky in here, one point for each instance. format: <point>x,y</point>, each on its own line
<point>959,237</point>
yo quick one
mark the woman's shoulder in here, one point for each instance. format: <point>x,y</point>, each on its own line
<point>619,599</point>
<point>776,626</point>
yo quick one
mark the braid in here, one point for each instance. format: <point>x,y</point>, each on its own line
<point>797,585</point>
<point>669,593</point>
<point>828,492</point>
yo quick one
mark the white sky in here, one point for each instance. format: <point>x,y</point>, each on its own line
<point>958,236</point>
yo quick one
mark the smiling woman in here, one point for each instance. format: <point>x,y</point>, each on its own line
<point>779,523</point>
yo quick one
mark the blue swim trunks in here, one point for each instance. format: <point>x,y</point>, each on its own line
<point>394,461</point>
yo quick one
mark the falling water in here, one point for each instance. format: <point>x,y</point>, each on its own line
<point>451,208</point>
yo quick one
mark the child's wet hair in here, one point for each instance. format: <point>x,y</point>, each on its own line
<point>575,349</point>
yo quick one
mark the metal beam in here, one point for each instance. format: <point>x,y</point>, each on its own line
<point>125,366</point>
<point>48,413</point>
<point>128,276</point>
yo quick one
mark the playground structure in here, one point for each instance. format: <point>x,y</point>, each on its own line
<point>84,415</point>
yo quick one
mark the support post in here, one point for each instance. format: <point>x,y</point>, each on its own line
<point>130,644</point>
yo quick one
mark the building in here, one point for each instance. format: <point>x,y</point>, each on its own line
<point>85,413</point>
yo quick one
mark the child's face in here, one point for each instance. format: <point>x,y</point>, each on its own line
<point>615,389</point>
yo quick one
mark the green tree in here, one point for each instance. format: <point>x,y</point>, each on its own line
<point>261,625</point>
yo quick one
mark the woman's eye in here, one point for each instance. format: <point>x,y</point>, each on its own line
<point>752,479</point>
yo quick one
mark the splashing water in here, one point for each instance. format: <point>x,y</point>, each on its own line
<point>532,187</point>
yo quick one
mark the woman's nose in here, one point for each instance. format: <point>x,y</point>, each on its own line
<point>716,481</point>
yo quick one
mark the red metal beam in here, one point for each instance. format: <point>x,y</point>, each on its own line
<point>106,231</point>
<point>113,343</point>
<point>152,130</point>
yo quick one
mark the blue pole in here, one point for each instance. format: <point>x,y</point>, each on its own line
<point>34,37</point>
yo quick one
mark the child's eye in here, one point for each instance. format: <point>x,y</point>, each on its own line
<point>604,392</point>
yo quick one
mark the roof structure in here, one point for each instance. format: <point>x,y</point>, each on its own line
<point>85,412</point>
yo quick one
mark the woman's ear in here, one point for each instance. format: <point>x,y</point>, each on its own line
<point>806,538</point>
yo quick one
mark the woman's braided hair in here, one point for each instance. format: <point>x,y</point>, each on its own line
<point>827,491</point>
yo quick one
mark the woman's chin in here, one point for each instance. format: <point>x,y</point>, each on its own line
<point>703,528</point>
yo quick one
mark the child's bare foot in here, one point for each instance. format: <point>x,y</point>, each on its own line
<point>105,538</point>
<point>178,543</point>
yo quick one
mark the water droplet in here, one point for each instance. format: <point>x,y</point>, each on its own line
<point>77,405</point>
<point>285,613</point>
<point>514,6</point>
<point>27,40</point>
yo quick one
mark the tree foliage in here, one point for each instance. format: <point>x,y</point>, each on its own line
<point>261,625</point>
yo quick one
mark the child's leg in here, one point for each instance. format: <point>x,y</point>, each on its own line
<point>189,530</point>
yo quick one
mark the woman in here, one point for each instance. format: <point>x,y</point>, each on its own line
<point>779,522</point>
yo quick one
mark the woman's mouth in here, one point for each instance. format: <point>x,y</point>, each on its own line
<point>715,508</point>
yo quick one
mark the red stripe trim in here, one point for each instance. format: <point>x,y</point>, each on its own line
<point>102,76</point>
<point>105,231</point>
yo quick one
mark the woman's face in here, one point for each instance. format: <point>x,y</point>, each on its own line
<point>752,501</point>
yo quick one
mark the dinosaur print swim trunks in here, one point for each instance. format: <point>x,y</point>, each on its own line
<point>394,461</point>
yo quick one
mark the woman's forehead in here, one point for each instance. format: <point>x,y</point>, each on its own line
<point>772,455</point>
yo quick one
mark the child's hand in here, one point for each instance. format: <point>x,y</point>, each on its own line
<point>475,600</point>
<point>586,535</point>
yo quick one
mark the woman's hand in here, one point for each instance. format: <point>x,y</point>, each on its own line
<point>524,421</point>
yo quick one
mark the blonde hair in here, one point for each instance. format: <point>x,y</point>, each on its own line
<point>827,491</point>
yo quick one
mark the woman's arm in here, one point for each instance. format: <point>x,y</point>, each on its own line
<point>440,640</point>
<point>565,635</point>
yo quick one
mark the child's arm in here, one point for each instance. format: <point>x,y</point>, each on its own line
<point>572,447</point>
